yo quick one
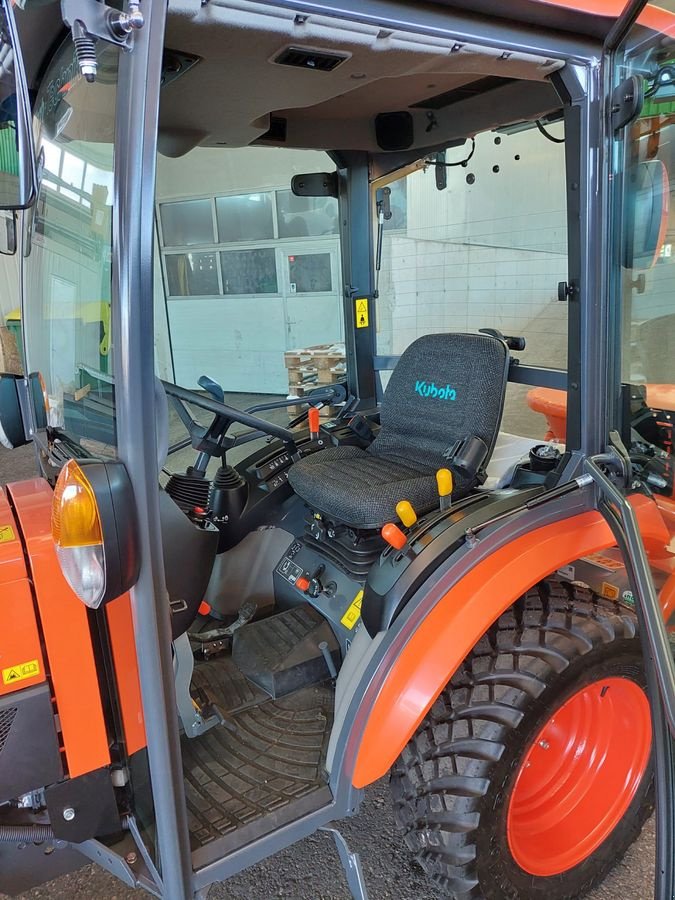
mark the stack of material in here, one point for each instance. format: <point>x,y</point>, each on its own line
<point>313,367</point>
<point>10,361</point>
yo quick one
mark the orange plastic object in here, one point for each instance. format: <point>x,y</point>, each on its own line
<point>302,583</point>
<point>67,638</point>
<point>579,776</point>
<point>553,404</point>
<point>204,609</point>
<point>394,536</point>
<point>21,661</point>
<point>123,645</point>
<point>313,419</point>
<point>431,654</point>
<point>652,16</point>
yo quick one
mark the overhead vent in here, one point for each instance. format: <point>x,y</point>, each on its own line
<point>176,63</point>
<point>447,98</point>
<point>307,58</point>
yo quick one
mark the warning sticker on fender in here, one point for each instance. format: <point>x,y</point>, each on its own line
<point>21,672</point>
<point>6,534</point>
<point>353,614</point>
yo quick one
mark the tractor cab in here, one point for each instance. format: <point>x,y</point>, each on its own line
<point>348,373</point>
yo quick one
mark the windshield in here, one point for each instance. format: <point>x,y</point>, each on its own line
<point>248,282</point>
<point>67,274</point>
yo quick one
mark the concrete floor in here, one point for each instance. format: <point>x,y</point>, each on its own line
<point>311,870</point>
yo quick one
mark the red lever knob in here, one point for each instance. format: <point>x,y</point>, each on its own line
<point>394,536</point>
<point>302,583</point>
<point>313,417</point>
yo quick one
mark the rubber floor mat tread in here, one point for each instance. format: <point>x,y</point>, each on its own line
<point>262,769</point>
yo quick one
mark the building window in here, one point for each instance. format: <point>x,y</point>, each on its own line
<point>309,273</point>
<point>192,274</point>
<point>245,218</point>
<point>211,265</point>
<point>249,271</point>
<point>306,216</point>
<point>187,223</point>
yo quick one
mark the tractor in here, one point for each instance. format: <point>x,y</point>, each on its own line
<point>442,550</point>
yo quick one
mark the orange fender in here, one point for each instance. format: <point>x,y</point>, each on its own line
<point>434,651</point>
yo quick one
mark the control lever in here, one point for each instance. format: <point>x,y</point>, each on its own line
<point>212,387</point>
<point>217,639</point>
<point>313,419</point>
<point>397,539</point>
<point>444,485</point>
<point>406,513</point>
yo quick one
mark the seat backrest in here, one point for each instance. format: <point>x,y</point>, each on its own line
<point>445,387</point>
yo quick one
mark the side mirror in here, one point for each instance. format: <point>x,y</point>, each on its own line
<point>315,184</point>
<point>12,425</point>
<point>8,242</point>
<point>17,154</point>
<point>647,213</point>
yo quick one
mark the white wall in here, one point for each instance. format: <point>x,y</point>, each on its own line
<point>487,254</point>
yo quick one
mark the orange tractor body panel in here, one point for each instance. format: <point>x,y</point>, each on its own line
<point>121,628</point>
<point>443,639</point>
<point>21,661</point>
<point>65,627</point>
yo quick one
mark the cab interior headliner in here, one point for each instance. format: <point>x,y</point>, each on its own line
<point>228,98</point>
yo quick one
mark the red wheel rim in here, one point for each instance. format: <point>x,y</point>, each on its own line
<point>579,776</point>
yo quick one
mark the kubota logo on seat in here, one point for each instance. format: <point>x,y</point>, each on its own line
<point>426,389</point>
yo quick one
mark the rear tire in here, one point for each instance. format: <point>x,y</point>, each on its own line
<point>454,783</point>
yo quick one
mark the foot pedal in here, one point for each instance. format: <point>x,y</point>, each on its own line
<point>283,653</point>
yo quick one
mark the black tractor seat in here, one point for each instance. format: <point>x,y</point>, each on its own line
<point>446,388</point>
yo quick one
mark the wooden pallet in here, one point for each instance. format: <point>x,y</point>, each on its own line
<point>313,367</point>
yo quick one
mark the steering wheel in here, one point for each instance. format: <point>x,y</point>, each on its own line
<point>211,441</point>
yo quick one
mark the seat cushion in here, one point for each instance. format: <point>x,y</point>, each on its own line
<point>360,489</point>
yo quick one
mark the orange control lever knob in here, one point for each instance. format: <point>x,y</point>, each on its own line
<point>313,417</point>
<point>394,536</point>
<point>302,583</point>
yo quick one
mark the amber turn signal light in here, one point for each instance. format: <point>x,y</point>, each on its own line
<point>95,531</point>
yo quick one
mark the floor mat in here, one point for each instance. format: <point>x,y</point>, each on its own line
<point>262,769</point>
<point>226,686</point>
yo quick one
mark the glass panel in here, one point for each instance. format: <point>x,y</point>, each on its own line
<point>647,212</point>
<point>306,216</point>
<point>245,218</point>
<point>67,298</point>
<point>487,252</point>
<point>247,337</point>
<point>187,223</point>
<point>249,271</point>
<point>309,273</point>
<point>192,274</point>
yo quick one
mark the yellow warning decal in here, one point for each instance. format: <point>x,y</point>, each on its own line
<point>21,672</point>
<point>361,312</point>
<point>6,534</point>
<point>609,591</point>
<point>353,614</point>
